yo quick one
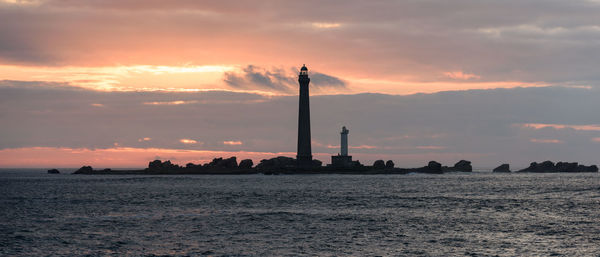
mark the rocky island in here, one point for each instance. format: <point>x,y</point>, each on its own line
<point>287,165</point>
<point>548,167</point>
<point>275,166</point>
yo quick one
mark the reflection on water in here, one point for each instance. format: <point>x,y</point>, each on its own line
<point>450,214</point>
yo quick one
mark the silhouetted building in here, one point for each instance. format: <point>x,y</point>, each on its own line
<point>304,155</point>
<point>343,159</point>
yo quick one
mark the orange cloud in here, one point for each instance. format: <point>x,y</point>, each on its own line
<point>546,141</point>
<point>326,25</point>
<point>232,142</point>
<point>461,75</point>
<point>591,127</point>
<point>114,157</point>
<point>128,157</point>
<point>188,141</point>
<point>171,103</point>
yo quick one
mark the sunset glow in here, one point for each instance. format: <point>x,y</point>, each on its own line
<point>222,76</point>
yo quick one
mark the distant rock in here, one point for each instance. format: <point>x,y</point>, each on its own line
<point>433,165</point>
<point>549,166</point>
<point>84,170</point>
<point>379,165</point>
<point>502,168</point>
<point>389,164</point>
<point>229,163</point>
<point>357,165</point>
<point>276,163</point>
<point>53,171</point>
<point>157,166</point>
<point>246,164</point>
<point>592,168</point>
<point>192,166</point>
<point>462,165</point>
<point>222,164</point>
<point>316,163</point>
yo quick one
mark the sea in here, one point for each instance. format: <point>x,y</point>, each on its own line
<point>454,214</point>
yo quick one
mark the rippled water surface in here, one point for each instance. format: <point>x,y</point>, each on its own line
<point>475,214</point>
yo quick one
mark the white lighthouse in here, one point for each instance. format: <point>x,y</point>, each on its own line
<point>343,160</point>
<point>344,141</point>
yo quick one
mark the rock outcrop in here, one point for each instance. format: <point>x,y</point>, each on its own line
<point>53,171</point>
<point>220,163</point>
<point>379,165</point>
<point>389,164</point>
<point>462,165</point>
<point>432,167</point>
<point>246,164</point>
<point>502,168</point>
<point>316,163</point>
<point>276,163</point>
<point>158,166</point>
<point>84,170</point>
<point>549,166</point>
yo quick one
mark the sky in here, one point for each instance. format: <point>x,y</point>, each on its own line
<point>118,83</point>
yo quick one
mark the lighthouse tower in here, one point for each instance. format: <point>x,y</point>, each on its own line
<point>344,141</point>
<point>304,155</point>
<point>343,160</point>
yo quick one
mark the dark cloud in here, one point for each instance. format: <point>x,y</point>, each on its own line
<point>253,77</point>
<point>324,80</point>
<point>485,126</point>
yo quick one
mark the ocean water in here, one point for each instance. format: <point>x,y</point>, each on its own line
<point>479,214</point>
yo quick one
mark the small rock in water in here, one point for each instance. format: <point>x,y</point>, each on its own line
<point>502,168</point>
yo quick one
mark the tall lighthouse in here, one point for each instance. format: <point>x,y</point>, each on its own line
<point>304,155</point>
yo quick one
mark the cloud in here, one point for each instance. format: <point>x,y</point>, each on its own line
<point>590,127</point>
<point>431,147</point>
<point>546,141</point>
<point>256,77</point>
<point>229,142</point>
<point>279,80</point>
<point>171,102</point>
<point>188,141</point>
<point>324,80</point>
<point>461,75</point>
<point>326,25</point>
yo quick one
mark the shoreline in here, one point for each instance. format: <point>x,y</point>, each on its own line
<point>287,166</point>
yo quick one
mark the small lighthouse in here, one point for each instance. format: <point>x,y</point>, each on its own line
<point>344,141</point>
<point>343,160</point>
